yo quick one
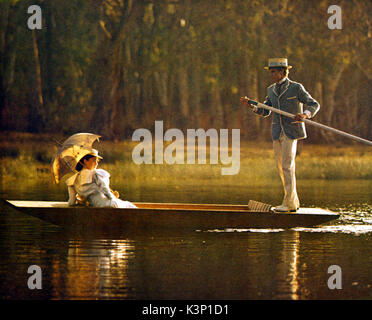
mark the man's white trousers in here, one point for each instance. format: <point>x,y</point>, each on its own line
<point>285,154</point>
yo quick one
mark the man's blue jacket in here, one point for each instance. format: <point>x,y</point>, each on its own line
<point>292,98</point>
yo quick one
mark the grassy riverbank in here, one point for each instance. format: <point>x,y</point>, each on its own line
<point>28,157</point>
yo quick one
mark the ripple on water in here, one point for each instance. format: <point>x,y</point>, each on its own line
<point>228,230</point>
<point>355,219</point>
<point>349,229</point>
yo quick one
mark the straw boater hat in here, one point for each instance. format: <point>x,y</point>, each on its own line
<point>278,63</point>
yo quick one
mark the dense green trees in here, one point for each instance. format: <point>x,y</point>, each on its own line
<point>111,66</point>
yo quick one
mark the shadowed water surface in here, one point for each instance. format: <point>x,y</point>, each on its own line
<point>214,264</point>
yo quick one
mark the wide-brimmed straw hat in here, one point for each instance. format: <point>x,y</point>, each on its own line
<point>92,152</point>
<point>278,63</point>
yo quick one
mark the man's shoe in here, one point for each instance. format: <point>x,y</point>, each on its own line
<point>284,208</point>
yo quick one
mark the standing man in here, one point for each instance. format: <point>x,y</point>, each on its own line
<point>291,97</point>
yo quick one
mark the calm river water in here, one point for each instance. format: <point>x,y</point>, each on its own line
<point>217,264</point>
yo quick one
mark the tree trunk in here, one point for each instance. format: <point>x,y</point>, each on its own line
<point>39,88</point>
<point>114,98</point>
<point>184,92</point>
<point>217,108</point>
<point>4,14</point>
<point>110,63</point>
<point>162,89</point>
<point>255,95</point>
<point>195,97</point>
<point>330,87</point>
<point>318,96</point>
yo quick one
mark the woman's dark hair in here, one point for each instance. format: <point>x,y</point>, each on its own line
<point>79,166</point>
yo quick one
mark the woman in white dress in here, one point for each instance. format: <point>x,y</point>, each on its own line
<point>93,185</point>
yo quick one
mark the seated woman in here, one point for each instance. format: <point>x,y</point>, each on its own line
<point>93,185</point>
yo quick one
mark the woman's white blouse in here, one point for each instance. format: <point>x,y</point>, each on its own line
<point>88,182</point>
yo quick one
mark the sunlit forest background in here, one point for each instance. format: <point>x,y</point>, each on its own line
<point>112,66</point>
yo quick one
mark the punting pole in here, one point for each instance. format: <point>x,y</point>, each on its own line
<point>310,122</point>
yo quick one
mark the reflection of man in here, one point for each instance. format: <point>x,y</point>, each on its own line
<point>288,96</point>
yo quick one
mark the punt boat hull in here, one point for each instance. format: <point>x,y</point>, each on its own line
<point>169,216</point>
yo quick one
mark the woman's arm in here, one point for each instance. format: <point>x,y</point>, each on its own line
<point>71,195</point>
<point>103,186</point>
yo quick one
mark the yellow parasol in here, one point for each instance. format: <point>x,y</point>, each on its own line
<point>71,152</point>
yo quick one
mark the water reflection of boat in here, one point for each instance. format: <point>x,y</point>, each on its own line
<point>169,215</point>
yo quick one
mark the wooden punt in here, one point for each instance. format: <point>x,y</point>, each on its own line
<point>169,215</point>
